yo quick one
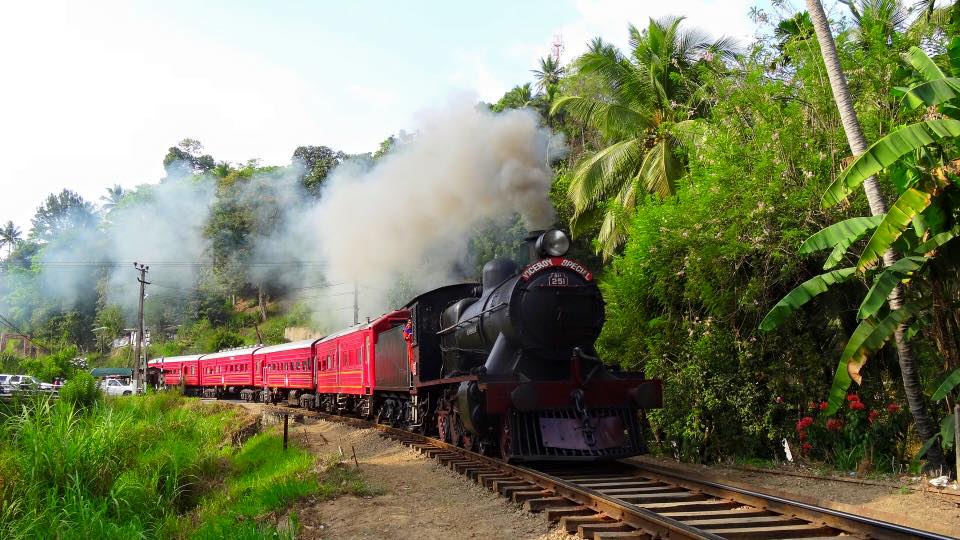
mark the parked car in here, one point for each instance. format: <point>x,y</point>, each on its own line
<point>117,387</point>
<point>24,384</point>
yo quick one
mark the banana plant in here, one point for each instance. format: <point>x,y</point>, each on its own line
<point>948,425</point>
<point>922,160</point>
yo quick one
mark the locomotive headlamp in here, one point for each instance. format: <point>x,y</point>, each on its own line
<point>553,243</point>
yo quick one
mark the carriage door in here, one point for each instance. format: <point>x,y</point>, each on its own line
<point>365,364</point>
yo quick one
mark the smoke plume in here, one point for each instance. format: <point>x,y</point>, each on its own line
<point>410,217</point>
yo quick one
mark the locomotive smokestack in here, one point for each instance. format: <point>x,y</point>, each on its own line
<point>530,244</point>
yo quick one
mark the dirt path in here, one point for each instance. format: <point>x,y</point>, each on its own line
<point>420,498</point>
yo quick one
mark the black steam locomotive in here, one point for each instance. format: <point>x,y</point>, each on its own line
<point>509,366</point>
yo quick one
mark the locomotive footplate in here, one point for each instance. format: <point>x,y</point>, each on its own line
<point>559,420</point>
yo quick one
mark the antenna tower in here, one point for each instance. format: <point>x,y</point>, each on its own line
<point>557,47</point>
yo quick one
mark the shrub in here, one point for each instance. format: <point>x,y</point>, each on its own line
<point>81,391</point>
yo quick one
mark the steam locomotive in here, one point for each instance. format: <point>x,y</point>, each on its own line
<point>504,367</point>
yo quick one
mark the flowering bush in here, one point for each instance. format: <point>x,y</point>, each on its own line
<point>857,437</point>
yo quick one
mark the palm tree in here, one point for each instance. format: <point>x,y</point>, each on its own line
<point>651,99</point>
<point>112,198</point>
<point>548,75</point>
<point>877,18</point>
<point>944,17</point>
<point>878,206</point>
<point>517,97</point>
<point>9,236</point>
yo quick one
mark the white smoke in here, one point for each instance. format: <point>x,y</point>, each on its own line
<point>410,217</point>
<point>397,227</point>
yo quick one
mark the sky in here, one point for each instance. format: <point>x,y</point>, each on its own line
<point>93,93</point>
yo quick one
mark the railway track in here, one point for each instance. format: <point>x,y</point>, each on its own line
<point>623,500</point>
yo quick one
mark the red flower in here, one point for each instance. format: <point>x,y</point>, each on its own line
<point>823,405</point>
<point>804,423</point>
<point>893,407</point>
<point>853,397</point>
<point>857,405</point>
<point>834,425</point>
<point>806,448</point>
<point>803,436</point>
<point>872,415</point>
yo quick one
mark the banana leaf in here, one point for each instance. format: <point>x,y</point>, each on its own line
<point>868,338</point>
<point>932,93</point>
<point>948,431</point>
<point>897,219</point>
<point>858,351</point>
<point>799,296</point>
<point>922,63</point>
<point>953,52</point>
<point>937,241</point>
<point>840,236</point>
<point>885,153</point>
<point>923,449</point>
<point>885,283</point>
<point>948,384</point>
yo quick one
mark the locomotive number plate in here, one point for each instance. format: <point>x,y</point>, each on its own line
<point>558,279</point>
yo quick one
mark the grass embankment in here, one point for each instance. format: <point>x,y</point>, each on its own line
<point>159,466</point>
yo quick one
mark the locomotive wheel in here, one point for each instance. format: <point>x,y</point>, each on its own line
<point>464,439</point>
<point>467,441</point>
<point>443,427</point>
<point>505,440</point>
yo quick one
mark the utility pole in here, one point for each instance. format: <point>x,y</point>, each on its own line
<point>139,375</point>
<point>356,305</point>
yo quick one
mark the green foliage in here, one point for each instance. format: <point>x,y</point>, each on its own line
<point>919,157</point>
<point>950,382</point>
<point>805,292</point>
<point>186,159</point>
<point>701,270</point>
<point>61,364</point>
<point>910,204</point>
<point>649,95</point>
<point>839,236</point>
<point>886,152</point>
<point>81,391</point>
<point>60,213</point>
<point>317,162</point>
<point>866,431</point>
<point>145,467</point>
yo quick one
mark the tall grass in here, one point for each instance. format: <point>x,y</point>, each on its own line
<point>139,467</point>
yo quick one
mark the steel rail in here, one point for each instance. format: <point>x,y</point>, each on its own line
<point>614,510</point>
<point>835,518</point>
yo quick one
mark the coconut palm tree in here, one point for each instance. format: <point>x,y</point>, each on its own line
<point>10,236</point>
<point>548,75</point>
<point>651,97</point>
<point>112,198</point>
<point>878,206</point>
